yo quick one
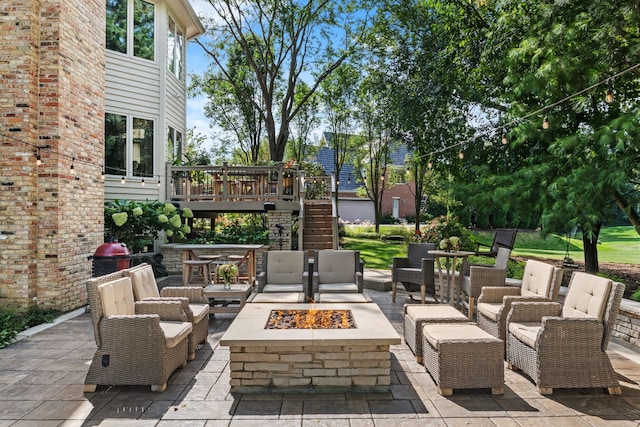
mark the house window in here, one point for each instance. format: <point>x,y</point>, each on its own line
<point>130,27</point>
<point>174,145</point>
<point>175,50</point>
<point>128,146</point>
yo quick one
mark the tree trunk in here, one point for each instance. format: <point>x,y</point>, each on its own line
<point>591,250</point>
<point>628,210</point>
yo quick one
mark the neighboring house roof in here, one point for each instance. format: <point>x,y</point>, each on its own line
<point>347,176</point>
<point>187,16</point>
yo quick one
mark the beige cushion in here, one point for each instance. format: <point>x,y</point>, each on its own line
<point>144,283</point>
<point>117,297</point>
<point>489,310</point>
<point>587,296</point>
<point>536,279</point>
<point>526,332</point>
<point>279,297</point>
<point>282,287</point>
<point>336,266</point>
<point>175,332</point>
<point>340,288</point>
<point>433,312</point>
<point>286,267</point>
<point>200,311</point>
<point>434,333</point>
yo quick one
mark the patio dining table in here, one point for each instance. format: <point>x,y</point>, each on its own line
<point>449,286</point>
<point>189,252</point>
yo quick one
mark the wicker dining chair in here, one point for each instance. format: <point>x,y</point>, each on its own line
<point>475,277</point>
<point>564,346</point>
<point>540,282</point>
<point>415,272</point>
<point>139,343</point>
<point>194,303</point>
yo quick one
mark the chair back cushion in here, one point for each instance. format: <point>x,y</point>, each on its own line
<point>536,279</point>
<point>336,266</point>
<point>117,297</point>
<point>285,267</point>
<point>143,282</point>
<point>502,259</point>
<point>417,251</point>
<point>587,296</point>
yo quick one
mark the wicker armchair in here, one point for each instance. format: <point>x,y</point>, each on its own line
<point>337,271</point>
<point>564,346</point>
<point>541,282</point>
<point>475,277</point>
<point>415,272</point>
<point>139,343</point>
<point>284,271</point>
<point>194,303</point>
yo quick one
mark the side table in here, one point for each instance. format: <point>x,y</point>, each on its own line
<point>448,287</point>
<point>223,300</point>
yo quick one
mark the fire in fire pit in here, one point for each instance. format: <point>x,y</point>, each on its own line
<point>310,319</point>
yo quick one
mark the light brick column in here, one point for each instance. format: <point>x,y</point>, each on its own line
<point>282,218</point>
<point>52,74</point>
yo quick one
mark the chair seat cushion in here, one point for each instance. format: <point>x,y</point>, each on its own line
<point>435,333</point>
<point>526,332</point>
<point>490,310</point>
<point>200,311</point>
<point>437,312</point>
<point>175,332</point>
<point>337,288</point>
<point>283,287</point>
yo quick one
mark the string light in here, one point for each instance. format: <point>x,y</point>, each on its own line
<point>430,165</point>
<point>460,155</point>
<point>122,180</point>
<point>505,141</point>
<point>38,159</point>
<point>545,123</point>
<point>609,97</point>
<point>102,174</point>
<point>72,170</point>
<point>142,182</point>
<point>159,183</point>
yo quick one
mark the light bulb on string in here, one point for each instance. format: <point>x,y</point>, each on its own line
<point>72,170</point>
<point>38,158</point>
<point>102,174</point>
<point>609,97</point>
<point>545,123</point>
<point>122,180</point>
<point>159,184</point>
<point>142,182</point>
<point>430,165</point>
<point>504,140</point>
<point>460,155</point>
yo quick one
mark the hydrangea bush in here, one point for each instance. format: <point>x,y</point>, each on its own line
<point>448,233</point>
<point>138,224</point>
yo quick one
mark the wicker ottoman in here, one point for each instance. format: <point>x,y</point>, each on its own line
<point>462,356</point>
<point>415,316</point>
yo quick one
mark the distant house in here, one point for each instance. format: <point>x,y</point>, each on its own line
<point>397,200</point>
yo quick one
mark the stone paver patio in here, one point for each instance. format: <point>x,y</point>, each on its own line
<point>42,378</point>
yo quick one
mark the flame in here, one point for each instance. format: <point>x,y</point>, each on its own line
<point>309,319</point>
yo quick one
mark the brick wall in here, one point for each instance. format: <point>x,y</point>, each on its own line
<point>406,194</point>
<point>52,79</point>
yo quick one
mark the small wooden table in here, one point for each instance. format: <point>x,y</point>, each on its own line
<point>448,288</point>
<point>188,252</point>
<point>227,300</point>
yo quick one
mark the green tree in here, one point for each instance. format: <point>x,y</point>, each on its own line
<point>300,148</point>
<point>282,41</point>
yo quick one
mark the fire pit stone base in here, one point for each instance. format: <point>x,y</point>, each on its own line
<point>310,360</point>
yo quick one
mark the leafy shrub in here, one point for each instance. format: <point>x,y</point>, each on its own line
<point>445,227</point>
<point>13,322</point>
<point>236,228</point>
<point>138,224</point>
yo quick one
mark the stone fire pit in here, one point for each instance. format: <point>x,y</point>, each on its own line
<point>310,359</point>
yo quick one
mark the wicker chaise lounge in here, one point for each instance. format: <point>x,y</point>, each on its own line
<point>565,346</point>
<point>139,343</point>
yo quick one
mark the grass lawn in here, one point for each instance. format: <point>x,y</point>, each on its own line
<point>617,244</point>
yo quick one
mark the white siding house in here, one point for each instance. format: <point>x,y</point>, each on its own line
<point>145,93</point>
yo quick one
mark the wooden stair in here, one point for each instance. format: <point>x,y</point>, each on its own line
<point>318,232</point>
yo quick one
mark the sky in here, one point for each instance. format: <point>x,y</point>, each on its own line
<point>196,64</point>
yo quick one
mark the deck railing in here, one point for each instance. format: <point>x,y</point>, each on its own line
<point>233,183</point>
